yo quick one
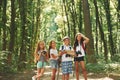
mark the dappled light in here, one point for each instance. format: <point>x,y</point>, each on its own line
<point>89,30</point>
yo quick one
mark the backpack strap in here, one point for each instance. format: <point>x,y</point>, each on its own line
<point>62,47</point>
<point>83,46</point>
<point>70,47</point>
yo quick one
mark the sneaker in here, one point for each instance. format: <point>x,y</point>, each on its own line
<point>33,78</point>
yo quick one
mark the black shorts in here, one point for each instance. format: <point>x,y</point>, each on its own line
<point>79,59</point>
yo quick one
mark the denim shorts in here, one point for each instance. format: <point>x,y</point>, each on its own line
<point>67,67</point>
<point>54,64</point>
<point>41,64</point>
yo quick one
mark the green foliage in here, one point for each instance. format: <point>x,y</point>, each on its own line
<point>116,58</point>
<point>47,20</point>
<point>4,67</point>
<point>96,68</point>
<point>103,67</point>
<point>112,67</point>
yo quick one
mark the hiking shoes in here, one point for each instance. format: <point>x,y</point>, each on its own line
<point>33,78</point>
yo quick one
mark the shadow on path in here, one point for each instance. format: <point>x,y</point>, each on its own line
<point>26,75</point>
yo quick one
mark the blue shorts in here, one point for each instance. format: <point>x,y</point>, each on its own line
<point>41,64</point>
<point>54,64</point>
<point>67,67</point>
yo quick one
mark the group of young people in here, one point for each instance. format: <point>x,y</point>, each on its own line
<point>66,52</point>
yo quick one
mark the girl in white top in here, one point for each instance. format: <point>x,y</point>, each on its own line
<point>53,54</point>
<point>66,63</point>
<point>79,48</point>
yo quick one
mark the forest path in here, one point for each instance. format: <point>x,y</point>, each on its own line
<point>26,75</point>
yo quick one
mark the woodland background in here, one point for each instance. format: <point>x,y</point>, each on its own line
<point>24,22</point>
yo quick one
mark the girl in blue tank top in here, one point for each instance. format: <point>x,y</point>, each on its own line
<point>41,57</point>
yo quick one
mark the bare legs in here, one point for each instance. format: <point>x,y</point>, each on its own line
<point>53,74</point>
<point>65,77</point>
<point>40,73</point>
<point>77,70</point>
<point>83,69</point>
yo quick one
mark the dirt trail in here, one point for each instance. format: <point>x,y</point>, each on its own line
<point>26,75</point>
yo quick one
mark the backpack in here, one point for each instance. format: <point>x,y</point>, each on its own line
<point>69,48</point>
<point>84,48</point>
<point>63,47</point>
<point>59,59</point>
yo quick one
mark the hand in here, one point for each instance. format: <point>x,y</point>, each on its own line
<point>82,35</point>
<point>75,55</point>
<point>64,51</point>
<point>61,53</point>
<point>43,54</point>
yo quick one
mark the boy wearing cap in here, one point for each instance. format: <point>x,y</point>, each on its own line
<point>66,59</point>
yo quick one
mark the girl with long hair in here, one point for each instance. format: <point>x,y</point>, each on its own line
<point>53,54</point>
<point>79,48</point>
<point>40,56</point>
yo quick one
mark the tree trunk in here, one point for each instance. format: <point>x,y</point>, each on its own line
<point>22,57</point>
<point>108,18</point>
<point>0,24</point>
<point>118,27</point>
<point>74,15</point>
<point>0,8</point>
<point>31,40</point>
<point>12,32</point>
<point>80,17</point>
<point>4,20</point>
<point>101,31</point>
<point>37,21</point>
<point>88,32</point>
<point>96,36</point>
<point>0,4</point>
<point>68,24</point>
<point>118,15</point>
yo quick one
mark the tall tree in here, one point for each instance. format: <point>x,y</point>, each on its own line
<point>80,16</point>
<point>74,18</point>
<point>88,31</point>
<point>101,31</point>
<point>66,13</point>
<point>38,22</point>
<point>4,20</point>
<point>22,57</point>
<point>109,24</point>
<point>12,31</point>
<point>0,21</point>
<point>118,14</point>
<point>118,25</point>
<point>0,5</point>
<point>31,38</point>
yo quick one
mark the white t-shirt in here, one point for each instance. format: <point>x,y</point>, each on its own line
<point>54,52</point>
<point>80,48</point>
<point>64,58</point>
